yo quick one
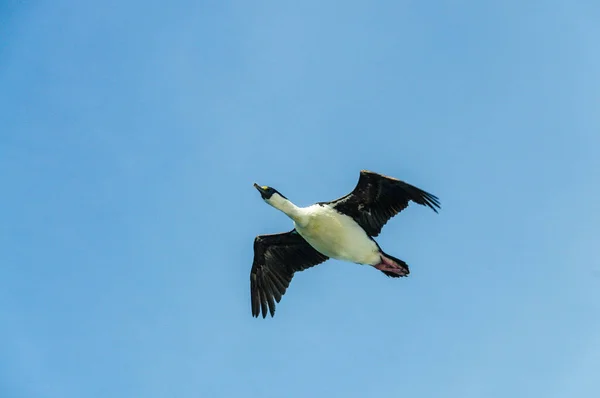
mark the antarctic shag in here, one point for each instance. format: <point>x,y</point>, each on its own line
<point>342,229</point>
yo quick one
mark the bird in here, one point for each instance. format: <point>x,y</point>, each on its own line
<point>342,229</point>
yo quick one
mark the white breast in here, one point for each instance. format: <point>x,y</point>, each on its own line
<point>337,236</point>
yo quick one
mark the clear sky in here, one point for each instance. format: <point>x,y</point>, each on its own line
<point>131,134</point>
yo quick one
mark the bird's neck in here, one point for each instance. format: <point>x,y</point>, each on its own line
<point>287,207</point>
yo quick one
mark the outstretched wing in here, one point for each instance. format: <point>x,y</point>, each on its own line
<point>276,258</point>
<point>377,198</point>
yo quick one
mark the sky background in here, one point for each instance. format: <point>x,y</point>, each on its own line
<point>131,134</point>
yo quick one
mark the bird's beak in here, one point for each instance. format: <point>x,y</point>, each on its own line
<point>259,188</point>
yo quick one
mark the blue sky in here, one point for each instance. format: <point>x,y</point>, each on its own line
<point>131,134</point>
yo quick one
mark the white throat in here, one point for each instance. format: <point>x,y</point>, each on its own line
<point>280,203</point>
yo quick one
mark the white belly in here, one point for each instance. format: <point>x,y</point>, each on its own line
<point>338,236</point>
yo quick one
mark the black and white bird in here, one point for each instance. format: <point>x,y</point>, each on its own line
<point>342,229</point>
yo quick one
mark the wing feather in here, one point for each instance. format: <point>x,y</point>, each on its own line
<point>377,198</point>
<point>276,258</point>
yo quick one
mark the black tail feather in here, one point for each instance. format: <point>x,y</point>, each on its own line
<point>391,274</point>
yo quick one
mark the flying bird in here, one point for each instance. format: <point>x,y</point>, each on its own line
<point>341,229</point>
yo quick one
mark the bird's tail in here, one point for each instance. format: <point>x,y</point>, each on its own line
<point>392,266</point>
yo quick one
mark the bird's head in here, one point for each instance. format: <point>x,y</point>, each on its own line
<point>270,195</point>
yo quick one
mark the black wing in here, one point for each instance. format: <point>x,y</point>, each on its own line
<point>377,198</point>
<point>276,258</point>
